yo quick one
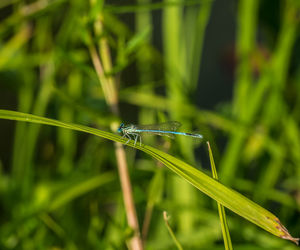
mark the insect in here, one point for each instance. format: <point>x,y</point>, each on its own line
<point>133,132</point>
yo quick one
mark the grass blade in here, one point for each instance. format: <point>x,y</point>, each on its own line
<point>229,198</point>
<point>166,219</point>
<point>221,209</point>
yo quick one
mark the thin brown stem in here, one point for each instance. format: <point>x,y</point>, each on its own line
<point>132,220</point>
<point>108,84</point>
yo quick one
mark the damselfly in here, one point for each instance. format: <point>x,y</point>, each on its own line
<point>163,129</point>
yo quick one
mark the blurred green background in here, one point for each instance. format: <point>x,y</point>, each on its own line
<point>227,69</point>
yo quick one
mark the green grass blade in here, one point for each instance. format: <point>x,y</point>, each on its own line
<point>73,191</point>
<point>221,209</point>
<point>177,243</point>
<point>227,197</point>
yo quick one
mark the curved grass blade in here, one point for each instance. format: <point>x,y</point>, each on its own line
<point>166,219</point>
<point>221,209</point>
<point>64,196</point>
<point>229,198</point>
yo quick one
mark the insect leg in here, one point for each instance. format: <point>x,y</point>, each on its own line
<point>135,136</point>
<point>127,136</point>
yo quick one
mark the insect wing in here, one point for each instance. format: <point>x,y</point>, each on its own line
<point>171,126</point>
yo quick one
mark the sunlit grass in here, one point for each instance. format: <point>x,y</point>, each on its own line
<point>99,63</point>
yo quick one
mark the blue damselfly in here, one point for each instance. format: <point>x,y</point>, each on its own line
<point>163,129</point>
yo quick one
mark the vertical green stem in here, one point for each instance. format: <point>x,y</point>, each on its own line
<point>247,16</point>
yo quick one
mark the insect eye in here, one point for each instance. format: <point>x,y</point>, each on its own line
<point>120,128</point>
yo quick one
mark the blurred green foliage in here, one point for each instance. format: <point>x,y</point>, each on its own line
<point>59,188</point>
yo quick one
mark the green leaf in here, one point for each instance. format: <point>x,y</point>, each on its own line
<point>229,198</point>
<point>77,189</point>
<point>166,219</point>
<point>221,209</point>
